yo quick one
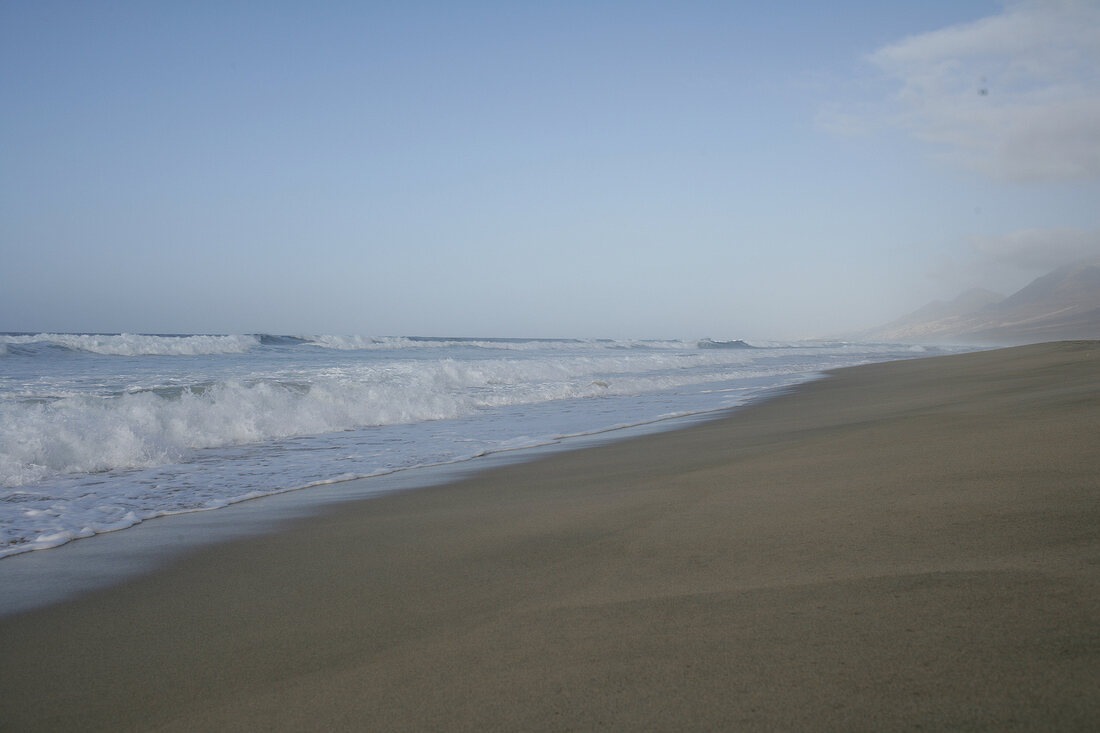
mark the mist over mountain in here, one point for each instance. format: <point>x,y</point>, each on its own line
<point>1063,304</point>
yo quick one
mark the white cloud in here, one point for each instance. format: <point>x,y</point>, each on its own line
<point>1038,249</point>
<point>1006,262</point>
<point>1015,95</point>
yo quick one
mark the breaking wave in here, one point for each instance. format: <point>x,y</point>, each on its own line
<point>86,433</point>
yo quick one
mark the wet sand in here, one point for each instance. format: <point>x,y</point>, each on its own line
<point>903,546</point>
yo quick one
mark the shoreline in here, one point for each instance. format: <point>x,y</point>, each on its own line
<point>58,573</point>
<point>903,544</point>
<point>532,444</point>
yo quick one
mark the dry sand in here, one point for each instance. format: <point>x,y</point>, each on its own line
<point>903,546</point>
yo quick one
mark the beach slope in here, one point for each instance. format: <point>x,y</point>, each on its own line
<point>904,546</point>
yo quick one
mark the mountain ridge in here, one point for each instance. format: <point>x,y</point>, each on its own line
<point>1063,304</point>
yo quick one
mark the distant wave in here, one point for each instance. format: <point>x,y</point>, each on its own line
<point>349,343</point>
<point>128,344</point>
<point>269,339</point>
<point>712,344</point>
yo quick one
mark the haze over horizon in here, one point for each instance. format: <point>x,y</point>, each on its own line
<point>577,170</point>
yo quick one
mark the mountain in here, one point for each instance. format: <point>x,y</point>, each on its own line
<point>1063,304</point>
<point>937,318</point>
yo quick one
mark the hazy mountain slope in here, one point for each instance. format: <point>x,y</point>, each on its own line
<point>936,318</point>
<point>1063,304</point>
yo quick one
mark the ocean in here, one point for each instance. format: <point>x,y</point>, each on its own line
<point>101,432</point>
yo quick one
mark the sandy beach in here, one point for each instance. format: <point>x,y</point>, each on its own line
<point>912,545</point>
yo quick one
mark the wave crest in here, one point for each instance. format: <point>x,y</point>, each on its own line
<point>356,343</point>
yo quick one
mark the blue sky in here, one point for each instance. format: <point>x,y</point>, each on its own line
<point>646,169</point>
